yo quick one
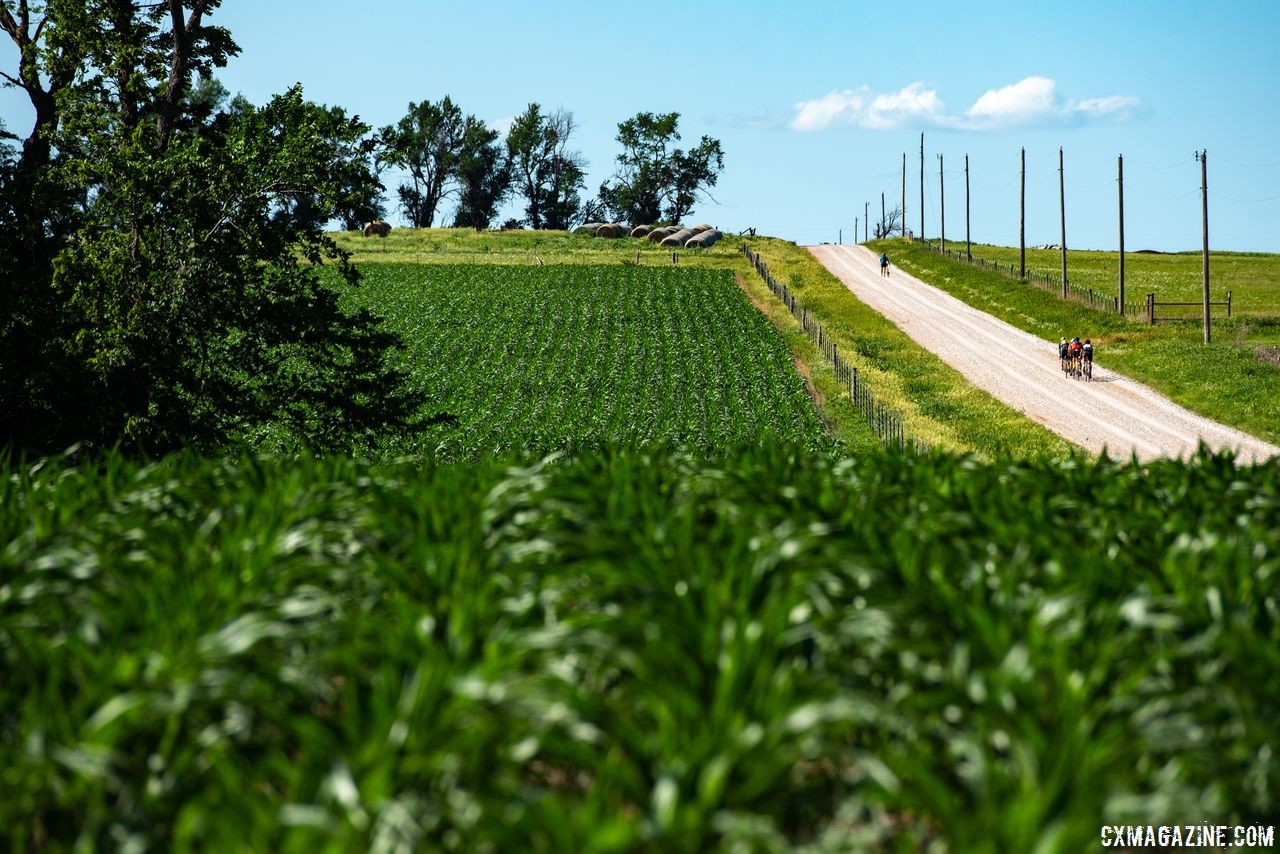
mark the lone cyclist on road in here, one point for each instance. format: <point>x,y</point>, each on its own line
<point>884,263</point>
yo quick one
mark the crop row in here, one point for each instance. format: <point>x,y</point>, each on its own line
<point>541,358</point>
<point>763,649</point>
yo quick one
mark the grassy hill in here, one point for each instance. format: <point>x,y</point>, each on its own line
<point>937,404</point>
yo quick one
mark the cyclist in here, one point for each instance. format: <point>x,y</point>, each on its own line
<point>1073,351</point>
<point>884,263</point>
<point>1086,350</point>
<point>1062,352</point>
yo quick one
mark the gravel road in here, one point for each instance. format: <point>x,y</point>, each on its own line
<point>1112,412</point>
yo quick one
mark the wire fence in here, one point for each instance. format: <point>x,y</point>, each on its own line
<point>885,423</point>
<point>1096,300</point>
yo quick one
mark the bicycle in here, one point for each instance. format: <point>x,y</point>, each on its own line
<point>1088,370</point>
<point>1075,366</point>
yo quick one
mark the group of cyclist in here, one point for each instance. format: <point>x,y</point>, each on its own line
<point>1076,356</point>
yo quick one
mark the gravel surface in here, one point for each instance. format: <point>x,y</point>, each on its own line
<point>1113,412</point>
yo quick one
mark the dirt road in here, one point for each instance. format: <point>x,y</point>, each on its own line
<point>1112,412</point>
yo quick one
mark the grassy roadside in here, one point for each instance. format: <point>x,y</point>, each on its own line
<point>1229,380</point>
<point>937,404</point>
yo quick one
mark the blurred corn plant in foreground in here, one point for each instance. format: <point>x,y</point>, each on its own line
<point>770,649</point>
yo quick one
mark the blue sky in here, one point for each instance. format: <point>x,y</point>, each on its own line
<point>816,103</point>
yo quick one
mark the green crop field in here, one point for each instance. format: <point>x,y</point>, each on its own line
<point>759,650</point>
<point>625,594</point>
<point>572,356</point>
<point>936,402</point>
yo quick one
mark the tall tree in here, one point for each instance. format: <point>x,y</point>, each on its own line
<point>655,180</point>
<point>179,313</point>
<point>546,173</point>
<point>425,144</point>
<point>483,174</point>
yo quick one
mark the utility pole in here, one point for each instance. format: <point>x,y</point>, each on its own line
<point>866,220</point>
<point>1022,220</point>
<point>904,194</point>
<point>1062,212</point>
<point>942,203</point>
<point>1120,181</point>
<point>840,239</point>
<point>922,186</point>
<point>968,247</point>
<point>883,225</point>
<point>1203,157</point>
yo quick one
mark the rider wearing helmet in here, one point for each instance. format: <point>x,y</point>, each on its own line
<point>1086,350</point>
<point>1062,348</point>
<point>1073,349</point>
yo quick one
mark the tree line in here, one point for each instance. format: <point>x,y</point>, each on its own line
<point>151,227</point>
<point>443,152</point>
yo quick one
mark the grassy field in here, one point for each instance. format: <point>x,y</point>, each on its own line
<point>561,357</point>
<point>1252,278</point>
<point>937,404</point>
<point>1235,380</point>
<point>769,649</point>
<point>463,246</point>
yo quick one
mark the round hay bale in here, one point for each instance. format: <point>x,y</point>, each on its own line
<point>698,229</point>
<point>677,239</point>
<point>610,230</point>
<point>588,228</point>
<point>703,240</point>
<point>657,234</point>
<point>641,230</point>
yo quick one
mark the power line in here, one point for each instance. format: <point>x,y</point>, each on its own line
<point>1248,165</point>
<point>1165,198</point>
<point>1163,168</point>
<point>1106,183</point>
<point>1244,201</point>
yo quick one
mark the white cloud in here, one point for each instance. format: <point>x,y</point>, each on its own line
<point>1117,108</point>
<point>1031,101</point>
<point>831,109</point>
<point>898,108</point>
<point>863,109</point>
<point>1024,102</point>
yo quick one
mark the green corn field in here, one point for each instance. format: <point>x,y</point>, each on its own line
<point>763,649</point>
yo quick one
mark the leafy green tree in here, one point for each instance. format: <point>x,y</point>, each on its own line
<point>545,172</point>
<point>357,197</point>
<point>654,180</point>
<point>425,144</point>
<point>483,174</point>
<point>177,311</point>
